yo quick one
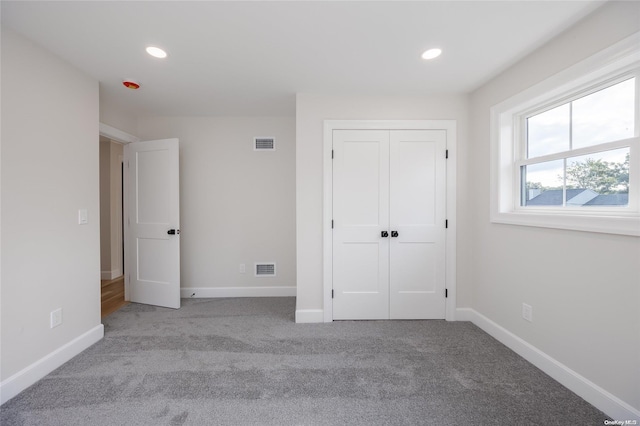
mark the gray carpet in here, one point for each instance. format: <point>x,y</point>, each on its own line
<point>245,362</point>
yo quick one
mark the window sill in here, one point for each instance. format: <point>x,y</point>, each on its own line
<point>588,223</point>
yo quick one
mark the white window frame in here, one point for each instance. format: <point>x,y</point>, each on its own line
<point>611,65</point>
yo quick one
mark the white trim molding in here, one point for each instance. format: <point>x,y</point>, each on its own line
<point>306,316</point>
<point>583,387</point>
<point>117,135</point>
<point>29,375</point>
<point>450,127</point>
<point>217,292</point>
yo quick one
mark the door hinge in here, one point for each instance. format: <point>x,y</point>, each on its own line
<point>446,293</point>
<point>332,154</point>
<point>331,223</point>
<point>446,154</point>
<point>332,294</point>
<point>446,223</point>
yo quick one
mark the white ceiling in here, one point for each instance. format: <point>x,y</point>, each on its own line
<point>251,58</point>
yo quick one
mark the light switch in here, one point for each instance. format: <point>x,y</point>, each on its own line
<point>83,217</point>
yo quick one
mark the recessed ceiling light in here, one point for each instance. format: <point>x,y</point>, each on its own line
<point>431,53</point>
<point>156,52</point>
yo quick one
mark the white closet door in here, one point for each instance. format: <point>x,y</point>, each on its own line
<point>417,214</point>
<point>360,214</point>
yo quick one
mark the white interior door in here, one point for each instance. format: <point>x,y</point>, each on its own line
<point>389,204</point>
<point>153,222</point>
<point>361,213</point>
<point>417,224</point>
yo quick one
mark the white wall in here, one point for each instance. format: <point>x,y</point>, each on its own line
<point>49,171</point>
<point>116,116</point>
<point>311,111</point>
<point>236,205</point>
<point>584,287</point>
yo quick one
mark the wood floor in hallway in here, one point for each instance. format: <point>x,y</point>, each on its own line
<point>112,295</point>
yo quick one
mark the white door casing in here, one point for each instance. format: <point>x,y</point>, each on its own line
<point>416,238</point>
<point>153,209</point>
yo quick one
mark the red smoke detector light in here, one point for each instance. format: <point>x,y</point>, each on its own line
<point>131,84</point>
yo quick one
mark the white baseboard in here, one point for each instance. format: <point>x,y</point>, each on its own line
<point>36,371</point>
<point>309,316</point>
<point>109,275</point>
<point>465,314</point>
<point>213,292</point>
<point>587,390</point>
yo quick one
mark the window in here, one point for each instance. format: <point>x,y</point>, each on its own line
<point>577,154</point>
<point>566,152</point>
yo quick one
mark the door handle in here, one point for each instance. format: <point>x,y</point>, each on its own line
<point>384,234</point>
<point>173,231</point>
<point>394,234</point>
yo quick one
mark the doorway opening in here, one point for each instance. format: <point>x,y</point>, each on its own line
<point>155,225</point>
<point>112,294</point>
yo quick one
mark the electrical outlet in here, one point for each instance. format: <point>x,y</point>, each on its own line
<point>56,317</point>
<point>527,312</point>
<point>243,268</point>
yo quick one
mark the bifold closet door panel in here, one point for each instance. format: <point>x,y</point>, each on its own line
<point>360,214</point>
<point>417,213</point>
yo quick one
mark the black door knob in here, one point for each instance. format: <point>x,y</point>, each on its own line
<point>394,234</point>
<point>173,231</point>
<point>384,234</point>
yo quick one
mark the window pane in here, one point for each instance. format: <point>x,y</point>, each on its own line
<point>542,184</point>
<point>548,132</point>
<point>600,179</point>
<point>604,116</point>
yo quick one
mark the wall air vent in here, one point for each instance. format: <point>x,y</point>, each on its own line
<point>264,143</point>
<point>265,269</point>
